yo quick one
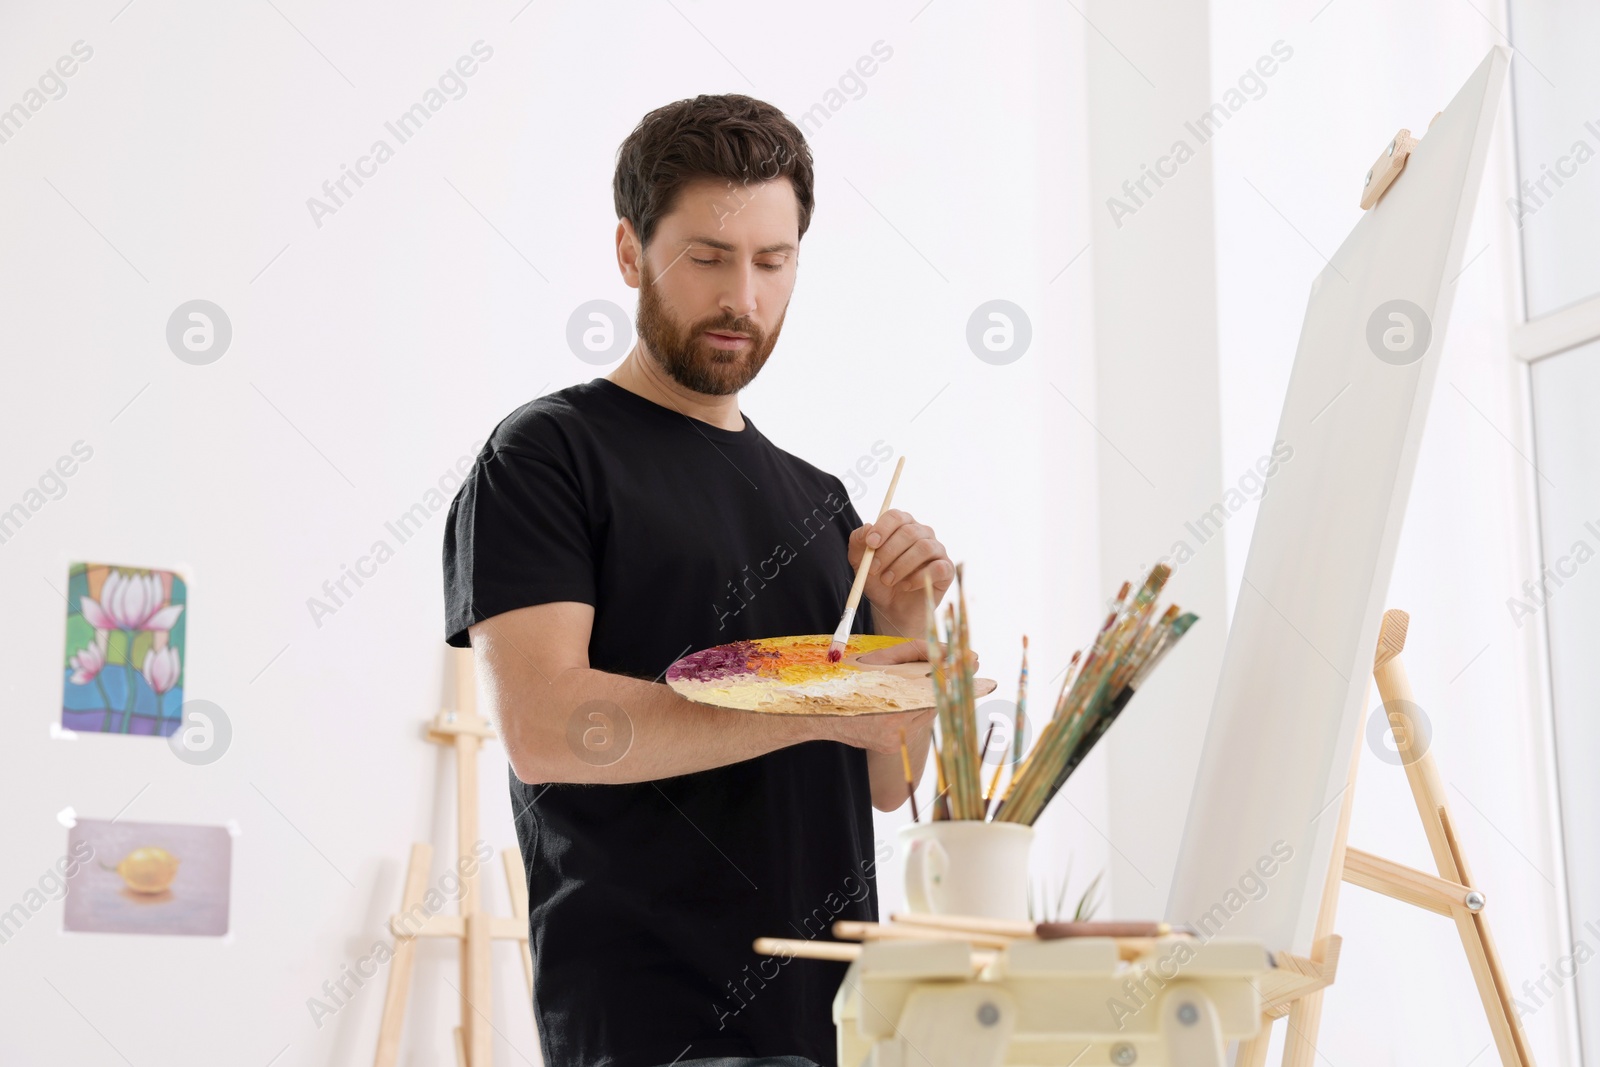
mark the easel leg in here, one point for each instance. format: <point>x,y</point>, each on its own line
<point>1488,973</point>
<point>1253,1051</point>
<point>517,885</point>
<point>480,1002</point>
<point>405,949</point>
<point>476,1000</point>
<point>1427,788</point>
<point>1300,1037</point>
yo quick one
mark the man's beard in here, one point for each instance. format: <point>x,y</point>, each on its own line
<point>688,357</point>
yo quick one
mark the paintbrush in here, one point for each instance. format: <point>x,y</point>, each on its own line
<point>1016,730</point>
<point>940,741</point>
<point>970,785</point>
<point>1085,710</point>
<point>983,799</point>
<point>1151,631</point>
<point>842,635</point>
<point>953,663</point>
<point>941,803</point>
<point>1096,730</point>
<point>1179,627</point>
<point>1022,702</point>
<point>1096,687</point>
<point>911,786</point>
<point>1020,770</point>
<point>945,699</point>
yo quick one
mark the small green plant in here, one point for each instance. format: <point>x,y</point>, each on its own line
<point>1041,908</point>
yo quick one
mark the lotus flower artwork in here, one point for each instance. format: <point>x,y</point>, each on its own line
<point>124,660</point>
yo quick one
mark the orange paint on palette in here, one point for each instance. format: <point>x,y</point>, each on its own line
<point>787,660</point>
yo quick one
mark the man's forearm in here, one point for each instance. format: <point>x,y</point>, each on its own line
<point>587,725</point>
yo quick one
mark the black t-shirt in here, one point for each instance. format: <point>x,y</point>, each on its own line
<point>645,898</point>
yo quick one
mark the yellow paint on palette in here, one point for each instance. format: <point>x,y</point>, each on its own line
<point>805,659</point>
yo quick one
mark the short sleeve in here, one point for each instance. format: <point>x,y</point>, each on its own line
<point>517,535</point>
<point>847,514</point>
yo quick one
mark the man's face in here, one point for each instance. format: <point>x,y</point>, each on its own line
<point>716,280</point>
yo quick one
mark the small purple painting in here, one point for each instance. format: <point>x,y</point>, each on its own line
<point>149,878</point>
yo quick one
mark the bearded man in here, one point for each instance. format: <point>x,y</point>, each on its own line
<point>609,528</point>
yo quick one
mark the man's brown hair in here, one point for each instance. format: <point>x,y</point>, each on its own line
<point>738,139</point>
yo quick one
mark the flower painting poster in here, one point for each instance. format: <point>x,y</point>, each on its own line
<point>124,662</point>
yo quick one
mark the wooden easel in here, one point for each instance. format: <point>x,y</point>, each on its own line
<point>1450,893</point>
<point>462,729</point>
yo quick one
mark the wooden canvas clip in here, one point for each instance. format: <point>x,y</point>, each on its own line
<point>1388,167</point>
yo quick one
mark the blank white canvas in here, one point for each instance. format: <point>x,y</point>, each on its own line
<point>1298,660</point>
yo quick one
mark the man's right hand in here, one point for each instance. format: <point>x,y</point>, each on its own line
<point>875,733</point>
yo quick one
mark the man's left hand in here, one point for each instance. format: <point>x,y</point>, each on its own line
<point>905,552</point>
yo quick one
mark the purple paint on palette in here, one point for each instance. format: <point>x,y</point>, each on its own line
<point>723,661</point>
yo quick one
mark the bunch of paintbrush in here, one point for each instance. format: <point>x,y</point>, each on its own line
<point>958,757</point>
<point>1097,686</point>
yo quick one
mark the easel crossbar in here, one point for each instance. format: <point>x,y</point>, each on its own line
<point>501,927</point>
<point>1416,887</point>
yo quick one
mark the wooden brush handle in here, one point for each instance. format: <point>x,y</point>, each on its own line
<point>1055,931</point>
<point>854,599</point>
<point>866,557</point>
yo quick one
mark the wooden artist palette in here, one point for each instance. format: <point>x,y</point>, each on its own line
<point>792,676</point>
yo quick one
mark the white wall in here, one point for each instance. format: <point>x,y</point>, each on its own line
<point>371,352</point>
